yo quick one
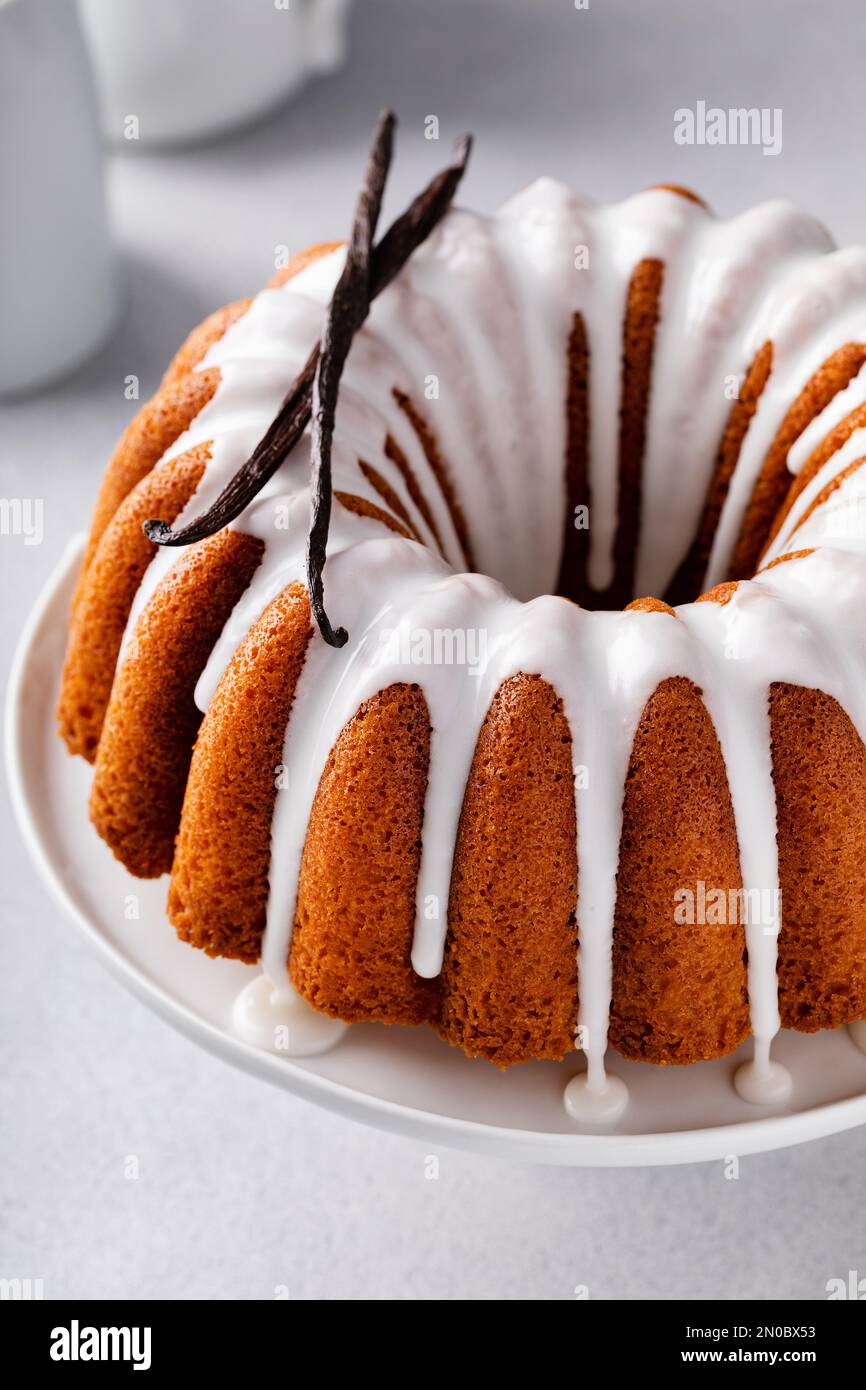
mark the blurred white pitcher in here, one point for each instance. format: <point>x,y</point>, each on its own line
<point>58,285</point>
<point>180,70</point>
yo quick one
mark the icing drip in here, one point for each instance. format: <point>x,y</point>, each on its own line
<point>763,1081</point>
<point>277,1019</point>
<point>595,1104</point>
<point>474,332</point>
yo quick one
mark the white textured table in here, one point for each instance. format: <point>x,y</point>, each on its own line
<point>240,1188</point>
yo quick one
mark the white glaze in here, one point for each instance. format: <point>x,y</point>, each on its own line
<point>763,1081</point>
<point>485,309</point>
<point>842,404</point>
<point>595,1106</point>
<point>277,1019</point>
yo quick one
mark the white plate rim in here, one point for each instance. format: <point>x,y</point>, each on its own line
<point>577,1150</point>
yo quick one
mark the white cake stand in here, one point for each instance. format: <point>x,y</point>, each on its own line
<point>404,1080</point>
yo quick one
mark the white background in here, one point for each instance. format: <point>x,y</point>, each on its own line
<point>241,1188</point>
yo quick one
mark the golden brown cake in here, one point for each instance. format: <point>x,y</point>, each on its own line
<point>512,806</point>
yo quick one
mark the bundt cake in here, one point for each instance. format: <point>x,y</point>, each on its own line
<point>528,809</point>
